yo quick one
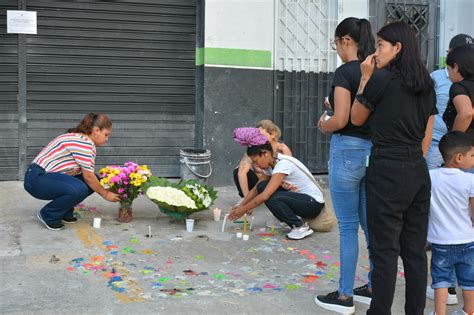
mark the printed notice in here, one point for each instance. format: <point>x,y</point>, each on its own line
<point>21,22</point>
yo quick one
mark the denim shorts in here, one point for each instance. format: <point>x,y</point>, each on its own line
<point>451,262</point>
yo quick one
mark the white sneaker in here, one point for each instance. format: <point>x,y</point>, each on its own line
<point>298,233</point>
<point>452,297</point>
<point>459,312</point>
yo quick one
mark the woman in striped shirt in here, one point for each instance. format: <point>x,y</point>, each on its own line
<point>64,171</point>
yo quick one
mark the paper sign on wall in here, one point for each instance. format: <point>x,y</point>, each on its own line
<point>21,22</point>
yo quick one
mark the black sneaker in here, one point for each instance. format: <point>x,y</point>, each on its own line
<point>333,303</point>
<point>362,294</point>
<point>50,226</point>
<point>69,220</point>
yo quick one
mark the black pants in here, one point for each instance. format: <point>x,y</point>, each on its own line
<point>398,199</point>
<point>288,206</point>
<point>251,178</point>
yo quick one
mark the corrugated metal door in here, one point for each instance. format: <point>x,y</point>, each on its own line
<point>8,97</point>
<point>131,59</point>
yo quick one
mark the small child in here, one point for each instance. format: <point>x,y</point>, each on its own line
<point>451,227</point>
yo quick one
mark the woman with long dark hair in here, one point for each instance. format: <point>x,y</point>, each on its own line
<point>64,171</point>
<point>348,152</point>
<point>396,91</point>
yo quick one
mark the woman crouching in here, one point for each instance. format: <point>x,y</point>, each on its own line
<point>290,193</point>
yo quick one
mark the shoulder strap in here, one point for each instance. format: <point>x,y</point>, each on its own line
<point>311,178</point>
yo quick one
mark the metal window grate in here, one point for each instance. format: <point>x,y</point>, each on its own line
<point>415,13</point>
<point>305,63</point>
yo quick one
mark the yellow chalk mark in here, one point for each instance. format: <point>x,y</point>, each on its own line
<point>91,239</point>
<point>88,237</point>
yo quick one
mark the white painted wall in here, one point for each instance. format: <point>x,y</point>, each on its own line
<point>244,24</point>
<point>354,8</point>
<point>456,17</point>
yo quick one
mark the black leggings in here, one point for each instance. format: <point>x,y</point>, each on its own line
<point>288,206</point>
<point>251,178</point>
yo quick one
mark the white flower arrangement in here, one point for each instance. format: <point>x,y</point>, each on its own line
<point>201,193</point>
<point>171,196</point>
<point>179,200</point>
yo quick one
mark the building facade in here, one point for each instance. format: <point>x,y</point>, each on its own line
<point>176,74</point>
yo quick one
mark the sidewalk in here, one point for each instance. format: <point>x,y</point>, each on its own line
<point>118,270</point>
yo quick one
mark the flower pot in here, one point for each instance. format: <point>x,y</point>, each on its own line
<point>125,212</point>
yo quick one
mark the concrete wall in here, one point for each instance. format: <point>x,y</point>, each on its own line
<point>233,98</point>
<point>455,18</point>
<point>238,77</point>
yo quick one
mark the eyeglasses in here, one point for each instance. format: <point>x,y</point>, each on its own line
<point>333,42</point>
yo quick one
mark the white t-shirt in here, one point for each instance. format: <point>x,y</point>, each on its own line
<point>450,212</point>
<point>296,180</point>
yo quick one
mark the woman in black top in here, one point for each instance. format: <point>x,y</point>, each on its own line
<point>459,112</point>
<point>398,101</point>
<point>350,147</point>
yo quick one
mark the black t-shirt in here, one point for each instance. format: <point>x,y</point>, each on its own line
<point>348,76</point>
<point>399,117</point>
<point>465,87</point>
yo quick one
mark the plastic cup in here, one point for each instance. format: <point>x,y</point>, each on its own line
<point>239,234</point>
<point>96,223</point>
<point>189,225</point>
<point>217,214</point>
<point>245,237</point>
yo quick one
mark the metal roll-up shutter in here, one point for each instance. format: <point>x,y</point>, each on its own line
<point>9,155</point>
<point>131,59</point>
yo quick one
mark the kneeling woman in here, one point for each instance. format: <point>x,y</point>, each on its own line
<point>64,171</point>
<point>290,193</point>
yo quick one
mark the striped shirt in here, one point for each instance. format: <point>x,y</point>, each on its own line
<point>69,154</point>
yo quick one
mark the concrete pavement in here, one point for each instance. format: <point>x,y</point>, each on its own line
<point>117,269</point>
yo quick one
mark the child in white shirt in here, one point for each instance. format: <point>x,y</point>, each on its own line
<point>451,227</point>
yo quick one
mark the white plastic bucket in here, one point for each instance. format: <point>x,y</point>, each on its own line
<point>195,164</point>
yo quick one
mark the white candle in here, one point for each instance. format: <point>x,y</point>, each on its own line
<point>223,223</point>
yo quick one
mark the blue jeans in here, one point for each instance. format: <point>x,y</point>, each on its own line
<point>450,260</point>
<point>347,164</point>
<point>433,157</point>
<point>65,191</point>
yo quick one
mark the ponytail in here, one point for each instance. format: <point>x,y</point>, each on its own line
<point>90,121</point>
<point>361,32</point>
<point>366,42</point>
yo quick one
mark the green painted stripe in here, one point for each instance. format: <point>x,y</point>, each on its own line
<point>199,56</point>
<point>234,57</point>
<point>442,62</point>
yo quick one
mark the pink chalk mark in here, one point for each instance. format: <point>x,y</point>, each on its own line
<point>310,279</point>
<point>265,234</point>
